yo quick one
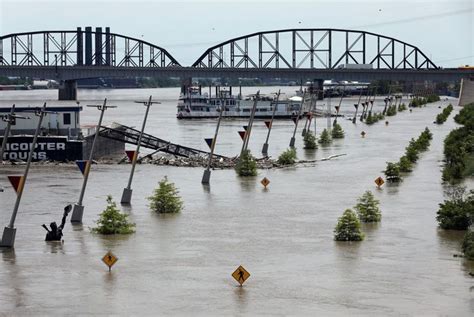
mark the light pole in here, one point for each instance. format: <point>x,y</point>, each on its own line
<point>9,119</point>
<point>292,141</point>
<point>206,176</point>
<point>249,127</point>
<point>265,145</point>
<point>8,237</point>
<point>127,192</point>
<point>78,209</point>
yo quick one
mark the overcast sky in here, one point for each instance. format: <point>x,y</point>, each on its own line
<point>443,29</point>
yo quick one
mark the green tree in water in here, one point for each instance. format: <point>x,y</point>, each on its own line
<point>457,213</point>
<point>348,227</point>
<point>310,141</point>
<point>468,245</point>
<point>405,165</point>
<point>325,138</point>
<point>368,208</point>
<point>246,166</point>
<point>392,172</point>
<point>288,157</point>
<point>112,221</point>
<point>337,131</point>
<point>165,198</point>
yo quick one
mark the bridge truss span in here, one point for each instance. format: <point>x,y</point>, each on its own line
<point>314,49</point>
<point>81,48</point>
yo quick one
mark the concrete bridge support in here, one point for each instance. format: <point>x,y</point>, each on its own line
<point>466,93</point>
<point>67,90</point>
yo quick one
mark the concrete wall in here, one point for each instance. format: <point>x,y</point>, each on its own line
<point>466,94</point>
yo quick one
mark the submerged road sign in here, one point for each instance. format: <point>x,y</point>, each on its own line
<point>379,181</point>
<point>265,182</point>
<point>241,275</point>
<point>109,259</point>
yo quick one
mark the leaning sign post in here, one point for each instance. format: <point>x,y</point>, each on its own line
<point>127,191</point>
<point>8,237</point>
<point>78,209</point>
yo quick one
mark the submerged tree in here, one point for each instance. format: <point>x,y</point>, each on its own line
<point>468,245</point>
<point>288,157</point>
<point>325,138</point>
<point>165,198</point>
<point>348,227</point>
<point>337,131</point>
<point>368,208</point>
<point>392,172</point>
<point>405,165</point>
<point>457,213</point>
<point>246,166</point>
<point>310,141</point>
<point>112,221</point>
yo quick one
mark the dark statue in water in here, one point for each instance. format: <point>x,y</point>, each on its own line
<point>56,233</point>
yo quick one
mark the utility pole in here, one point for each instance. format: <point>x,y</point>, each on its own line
<point>78,209</point>
<point>9,233</point>
<point>127,191</point>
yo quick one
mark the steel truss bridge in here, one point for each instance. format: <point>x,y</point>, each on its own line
<point>292,53</point>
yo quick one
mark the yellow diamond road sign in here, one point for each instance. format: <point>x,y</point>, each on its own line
<point>240,275</point>
<point>109,259</point>
<point>379,181</point>
<point>265,181</point>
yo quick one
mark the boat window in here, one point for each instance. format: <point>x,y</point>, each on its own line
<point>245,110</point>
<point>66,118</point>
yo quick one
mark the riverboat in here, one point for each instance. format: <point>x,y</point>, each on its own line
<point>193,104</point>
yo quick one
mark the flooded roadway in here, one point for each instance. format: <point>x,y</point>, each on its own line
<point>181,264</point>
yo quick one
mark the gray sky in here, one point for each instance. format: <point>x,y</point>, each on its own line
<point>443,29</point>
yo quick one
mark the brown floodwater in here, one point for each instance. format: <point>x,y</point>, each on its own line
<point>181,264</point>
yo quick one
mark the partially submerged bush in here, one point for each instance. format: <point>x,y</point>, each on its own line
<point>457,213</point>
<point>112,221</point>
<point>459,147</point>
<point>165,198</point>
<point>309,140</point>
<point>402,107</point>
<point>348,227</point>
<point>246,166</point>
<point>368,208</point>
<point>325,138</point>
<point>392,172</point>
<point>405,165</point>
<point>468,245</point>
<point>288,157</point>
<point>443,116</point>
<point>337,131</point>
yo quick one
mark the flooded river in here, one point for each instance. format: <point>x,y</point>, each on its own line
<point>182,264</point>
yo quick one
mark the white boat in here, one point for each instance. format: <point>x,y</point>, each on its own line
<point>193,104</point>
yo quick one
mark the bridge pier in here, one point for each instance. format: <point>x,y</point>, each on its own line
<point>67,90</point>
